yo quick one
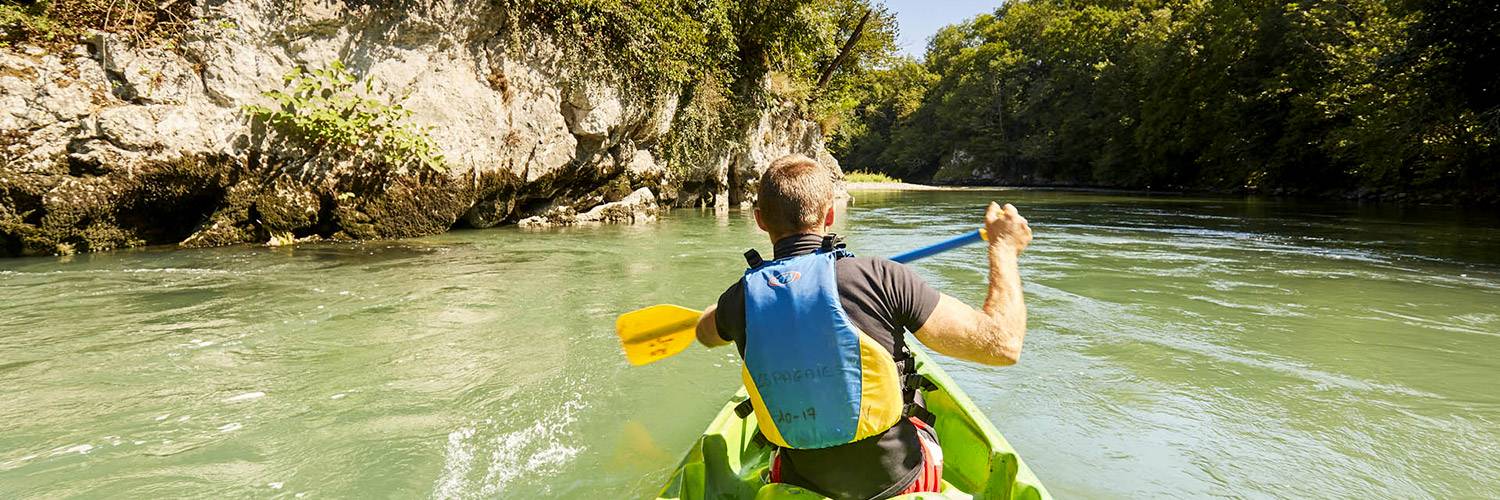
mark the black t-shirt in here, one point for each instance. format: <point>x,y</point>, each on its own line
<point>885,300</point>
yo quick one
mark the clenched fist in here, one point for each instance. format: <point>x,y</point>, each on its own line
<point>1006,226</point>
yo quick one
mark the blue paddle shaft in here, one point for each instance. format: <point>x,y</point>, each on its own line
<point>974,236</point>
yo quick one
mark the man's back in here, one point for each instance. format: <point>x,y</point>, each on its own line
<point>849,440</point>
<point>883,299</point>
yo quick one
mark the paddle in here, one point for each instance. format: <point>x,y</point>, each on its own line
<point>663,330</point>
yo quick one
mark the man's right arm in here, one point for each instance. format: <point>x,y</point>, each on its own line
<point>994,334</point>
<point>708,330</point>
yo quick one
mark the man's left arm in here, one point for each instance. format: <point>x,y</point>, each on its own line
<point>708,330</point>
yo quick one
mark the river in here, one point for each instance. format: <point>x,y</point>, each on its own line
<point>1179,346</point>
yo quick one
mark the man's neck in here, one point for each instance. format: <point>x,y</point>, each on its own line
<point>798,244</point>
<point>775,237</point>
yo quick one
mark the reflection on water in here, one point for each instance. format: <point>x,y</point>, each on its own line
<point>1179,347</point>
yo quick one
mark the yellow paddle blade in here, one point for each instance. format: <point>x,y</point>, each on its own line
<point>656,332</point>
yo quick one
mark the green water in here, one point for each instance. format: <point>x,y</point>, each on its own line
<point>1178,347</point>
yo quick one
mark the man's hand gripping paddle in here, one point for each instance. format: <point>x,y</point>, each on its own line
<point>663,330</point>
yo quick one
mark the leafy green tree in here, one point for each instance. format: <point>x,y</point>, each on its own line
<point>1383,97</point>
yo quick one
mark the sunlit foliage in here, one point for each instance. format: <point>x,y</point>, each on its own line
<point>716,56</point>
<point>329,111</point>
<point>1326,96</point>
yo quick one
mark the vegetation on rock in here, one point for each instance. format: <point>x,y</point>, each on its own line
<point>143,147</point>
<point>325,110</point>
<point>876,177</point>
<point>1394,98</point>
<point>716,54</point>
<point>65,215</point>
<point>61,22</point>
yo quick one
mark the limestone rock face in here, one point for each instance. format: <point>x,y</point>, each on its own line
<point>110,145</point>
<point>638,208</point>
<point>778,133</point>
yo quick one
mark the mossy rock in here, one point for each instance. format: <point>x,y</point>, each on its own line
<point>407,207</point>
<point>496,200</point>
<point>286,206</point>
<point>230,223</point>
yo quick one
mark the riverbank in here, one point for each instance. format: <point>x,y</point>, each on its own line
<point>892,186</point>
<point>235,130</point>
<point>907,186</point>
<point>1395,199</point>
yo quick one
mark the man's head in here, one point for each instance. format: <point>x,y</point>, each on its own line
<point>796,196</point>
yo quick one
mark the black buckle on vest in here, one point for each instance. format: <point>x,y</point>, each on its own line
<point>752,257</point>
<point>832,242</point>
<point>921,414</point>
<point>911,384</point>
<point>759,439</point>
<point>917,381</point>
<point>744,409</point>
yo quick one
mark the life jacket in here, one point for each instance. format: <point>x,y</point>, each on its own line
<point>815,380</point>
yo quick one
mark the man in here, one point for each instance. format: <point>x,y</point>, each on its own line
<point>822,334</point>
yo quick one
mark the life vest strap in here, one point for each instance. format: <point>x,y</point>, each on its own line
<point>744,409</point>
<point>832,242</point>
<point>752,258</point>
<point>911,382</point>
<point>922,414</point>
<point>917,381</point>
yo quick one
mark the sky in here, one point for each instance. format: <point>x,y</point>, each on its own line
<point>919,19</point>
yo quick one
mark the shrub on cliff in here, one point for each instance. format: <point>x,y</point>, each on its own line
<point>62,22</point>
<point>714,55</point>
<point>329,113</point>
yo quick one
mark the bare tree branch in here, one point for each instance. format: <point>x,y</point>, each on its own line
<point>859,30</point>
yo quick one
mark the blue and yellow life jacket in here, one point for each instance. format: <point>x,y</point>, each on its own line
<point>815,380</point>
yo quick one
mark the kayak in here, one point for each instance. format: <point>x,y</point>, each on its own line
<point>728,462</point>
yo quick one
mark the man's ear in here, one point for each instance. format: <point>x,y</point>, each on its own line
<point>760,222</point>
<point>828,217</point>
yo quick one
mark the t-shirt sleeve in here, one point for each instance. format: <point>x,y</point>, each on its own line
<point>909,296</point>
<point>729,318</point>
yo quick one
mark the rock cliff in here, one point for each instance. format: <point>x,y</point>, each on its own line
<point>115,143</point>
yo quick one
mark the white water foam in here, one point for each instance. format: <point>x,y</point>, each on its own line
<point>539,449</point>
<point>244,397</point>
<point>4,466</point>
<point>82,449</point>
<point>175,270</point>
<point>457,462</point>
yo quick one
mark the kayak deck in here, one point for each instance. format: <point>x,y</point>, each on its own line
<point>727,462</point>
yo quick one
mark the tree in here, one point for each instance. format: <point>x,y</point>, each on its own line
<point>1383,97</point>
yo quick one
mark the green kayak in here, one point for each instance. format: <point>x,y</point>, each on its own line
<point>728,463</point>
